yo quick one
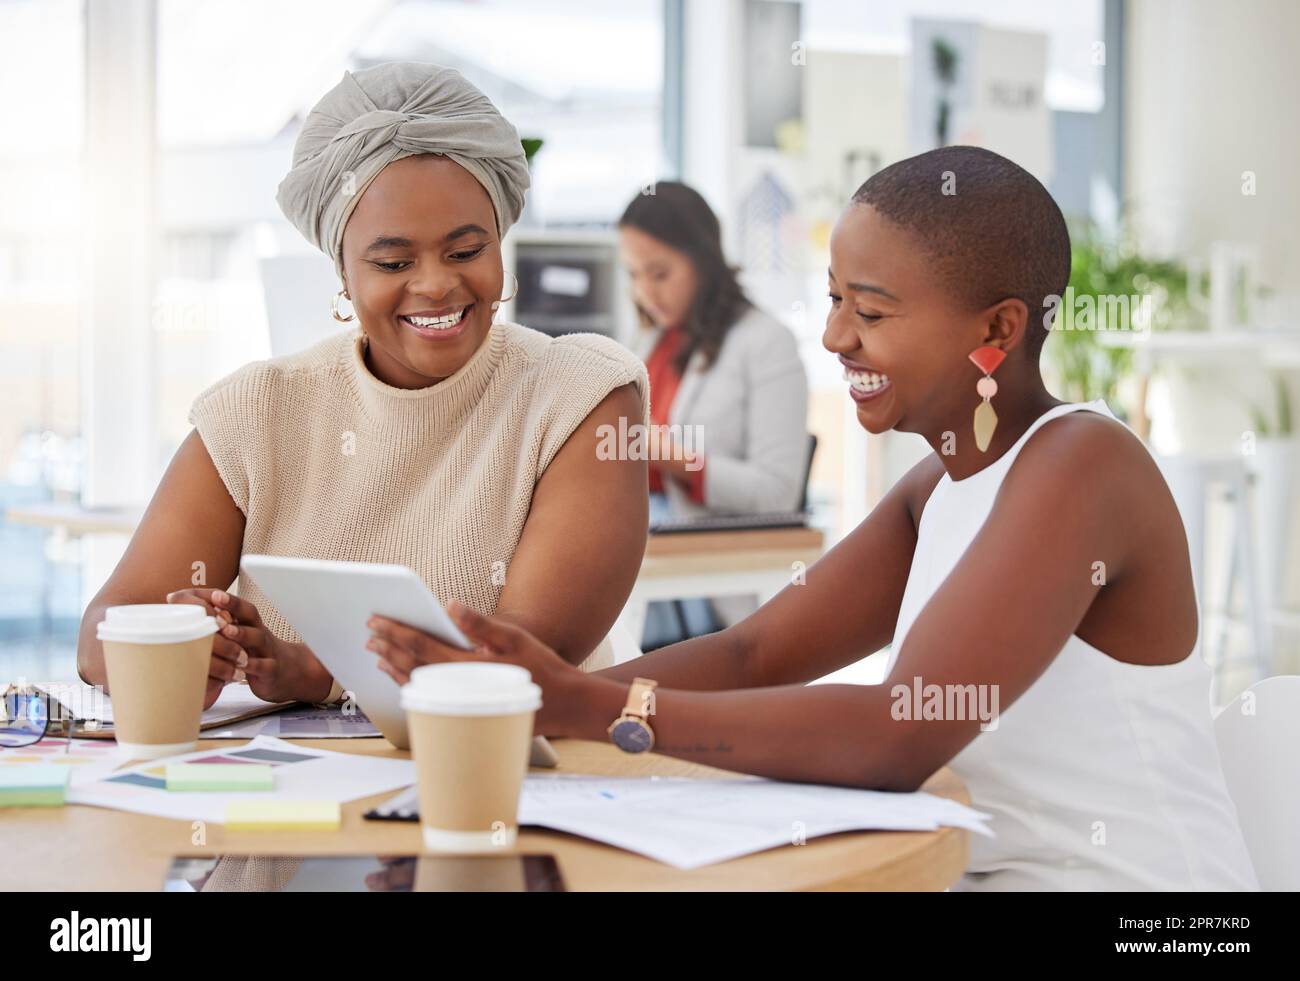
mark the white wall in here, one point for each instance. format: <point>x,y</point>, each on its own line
<point>1211,92</point>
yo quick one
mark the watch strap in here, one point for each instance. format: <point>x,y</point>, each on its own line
<point>640,699</point>
<point>334,697</point>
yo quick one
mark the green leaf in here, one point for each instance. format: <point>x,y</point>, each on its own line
<point>531,145</point>
<point>1104,267</point>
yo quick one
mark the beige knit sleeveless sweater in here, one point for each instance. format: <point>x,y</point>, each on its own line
<point>328,462</point>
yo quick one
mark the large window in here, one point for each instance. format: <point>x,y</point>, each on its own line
<point>215,124</point>
<point>584,78</point>
<point>40,281</point>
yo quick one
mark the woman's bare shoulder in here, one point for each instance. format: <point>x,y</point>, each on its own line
<point>1092,462</point>
<point>1094,442</point>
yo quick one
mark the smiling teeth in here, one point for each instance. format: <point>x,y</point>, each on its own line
<point>438,323</point>
<point>865,381</point>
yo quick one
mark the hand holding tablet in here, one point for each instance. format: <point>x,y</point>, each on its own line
<point>329,602</point>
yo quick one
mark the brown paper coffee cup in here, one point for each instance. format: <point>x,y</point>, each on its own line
<point>157,658</point>
<point>471,727</point>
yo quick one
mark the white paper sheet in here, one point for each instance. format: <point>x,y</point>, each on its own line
<point>305,774</point>
<point>690,823</point>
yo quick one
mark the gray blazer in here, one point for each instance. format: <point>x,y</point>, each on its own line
<point>752,405</point>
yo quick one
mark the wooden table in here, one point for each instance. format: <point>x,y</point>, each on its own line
<point>92,848</point>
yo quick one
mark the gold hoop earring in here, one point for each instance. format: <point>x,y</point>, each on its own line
<point>334,307</point>
<point>496,304</point>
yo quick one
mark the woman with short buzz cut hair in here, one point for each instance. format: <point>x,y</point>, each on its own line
<point>429,434</point>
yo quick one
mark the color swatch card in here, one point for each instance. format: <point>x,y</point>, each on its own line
<point>297,774</point>
<point>85,760</point>
<point>302,722</point>
<point>59,751</point>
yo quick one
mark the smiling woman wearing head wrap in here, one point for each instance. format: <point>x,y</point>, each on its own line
<point>429,435</point>
<point>384,155</point>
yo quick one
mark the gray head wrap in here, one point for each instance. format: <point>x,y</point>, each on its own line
<point>381,114</point>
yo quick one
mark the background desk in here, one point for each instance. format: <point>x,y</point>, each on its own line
<point>92,848</point>
<point>73,519</point>
<point>701,564</point>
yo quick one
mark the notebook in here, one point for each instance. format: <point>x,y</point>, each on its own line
<point>92,710</point>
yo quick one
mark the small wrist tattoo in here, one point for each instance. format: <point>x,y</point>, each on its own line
<point>718,747</point>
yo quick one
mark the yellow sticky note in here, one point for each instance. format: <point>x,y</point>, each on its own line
<point>283,815</point>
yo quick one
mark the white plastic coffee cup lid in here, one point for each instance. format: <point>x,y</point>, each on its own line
<point>471,688</point>
<point>155,623</point>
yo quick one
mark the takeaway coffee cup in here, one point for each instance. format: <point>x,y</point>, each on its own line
<point>471,726</point>
<point>157,657</point>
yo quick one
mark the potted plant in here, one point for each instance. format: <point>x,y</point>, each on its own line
<point>1102,269</point>
<point>531,145</point>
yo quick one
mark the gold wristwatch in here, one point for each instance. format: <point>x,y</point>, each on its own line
<point>631,731</point>
<point>334,697</point>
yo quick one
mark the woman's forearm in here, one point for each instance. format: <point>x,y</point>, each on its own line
<point>831,734</point>
<point>90,652</point>
<point>714,662</point>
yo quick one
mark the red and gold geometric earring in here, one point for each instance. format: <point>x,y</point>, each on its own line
<point>986,359</point>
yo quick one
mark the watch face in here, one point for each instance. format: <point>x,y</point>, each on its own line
<point>632,736</point>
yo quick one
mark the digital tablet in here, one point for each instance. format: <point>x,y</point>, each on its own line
<point>328,603</point>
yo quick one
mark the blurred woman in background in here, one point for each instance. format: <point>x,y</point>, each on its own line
<point>721,369</point>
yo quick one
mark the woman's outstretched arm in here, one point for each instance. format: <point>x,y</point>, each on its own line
<point>1080,494</point>
<point>844,609</point>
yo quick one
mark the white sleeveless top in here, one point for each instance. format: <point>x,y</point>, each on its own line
<point>1103,775</point>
